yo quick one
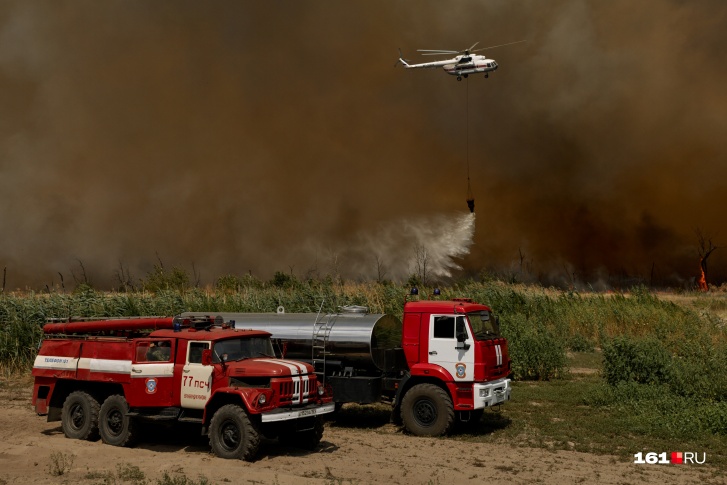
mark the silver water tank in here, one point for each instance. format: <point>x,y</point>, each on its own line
<point>355,338</point>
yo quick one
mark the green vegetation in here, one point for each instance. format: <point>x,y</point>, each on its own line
<point>537,352</point>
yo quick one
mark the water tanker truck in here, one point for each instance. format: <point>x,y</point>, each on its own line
<point>444,361</point>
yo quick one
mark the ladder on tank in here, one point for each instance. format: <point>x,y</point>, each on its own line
<point>321,334</point>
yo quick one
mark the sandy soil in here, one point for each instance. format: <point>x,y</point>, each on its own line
<point>371,453</point>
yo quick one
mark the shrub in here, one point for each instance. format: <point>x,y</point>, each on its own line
<point>283,280</point>
<point>657,410</point>
<point>129,473</point>
<point>159,279</point>
<point>579,343</point>
<point>645,361</point>
<point>232,283</point>
<point>699,369</point>
<point>535,352</point>
<point>694,368</point>
<point>60,463</point>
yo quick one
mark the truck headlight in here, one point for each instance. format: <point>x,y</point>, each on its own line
<point>321,390</point>
<point>261,399</point>
<point>484,392</point>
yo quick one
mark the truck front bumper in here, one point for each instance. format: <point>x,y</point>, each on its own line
<point>286,414</point>
<point>491,393</point>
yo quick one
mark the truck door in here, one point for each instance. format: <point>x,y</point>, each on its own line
<point>152,373</point>
<point>196,378</point>
<point>445,349</point>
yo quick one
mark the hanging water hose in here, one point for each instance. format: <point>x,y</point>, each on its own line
<point>470,196</point>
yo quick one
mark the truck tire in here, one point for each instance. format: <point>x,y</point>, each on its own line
<point>79,416</point>
<point>115,427</point>
<point>232,434</point>
<point>308,439</point>
<point>426,410</point>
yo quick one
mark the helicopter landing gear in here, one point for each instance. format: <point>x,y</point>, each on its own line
<point>459,78</point>
<point>487,75</point>
<point>465,75</point>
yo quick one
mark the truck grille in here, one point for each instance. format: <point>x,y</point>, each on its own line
<point>296,391</point>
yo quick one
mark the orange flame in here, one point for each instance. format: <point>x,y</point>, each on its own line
<point>703,280</point>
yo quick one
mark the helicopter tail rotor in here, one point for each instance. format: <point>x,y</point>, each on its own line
<point>401,60</point>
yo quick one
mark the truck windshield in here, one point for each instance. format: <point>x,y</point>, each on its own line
<point>484,325</point>
<point>242,348</point>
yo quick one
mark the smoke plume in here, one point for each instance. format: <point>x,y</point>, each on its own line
<point>247,136</point>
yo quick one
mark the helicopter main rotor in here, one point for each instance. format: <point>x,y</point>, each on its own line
<point>439,52</point>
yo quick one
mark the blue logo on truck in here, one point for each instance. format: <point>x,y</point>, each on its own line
<point>151,385</point>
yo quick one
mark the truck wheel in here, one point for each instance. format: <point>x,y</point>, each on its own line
<point>232,434</point>
<point>308,439</point>
<point>115,426</point>
<point>427,410</point>
<point>79,416</point>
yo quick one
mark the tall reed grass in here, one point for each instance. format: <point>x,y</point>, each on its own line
<point>540,323</point>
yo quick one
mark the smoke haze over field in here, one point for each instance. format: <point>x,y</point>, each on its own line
<point>258,136</point>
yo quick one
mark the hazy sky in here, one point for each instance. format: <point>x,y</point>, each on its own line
<point>260,136</point>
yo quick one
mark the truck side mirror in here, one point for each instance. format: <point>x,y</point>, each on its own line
<point>207,357</point>
<point>462,345</point>
<point>461,333</point>
<point>461,330</point>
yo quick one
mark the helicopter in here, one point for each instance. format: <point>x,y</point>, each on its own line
<point>462,65</point>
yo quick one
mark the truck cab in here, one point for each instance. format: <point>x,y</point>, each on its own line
<point>456,345</point>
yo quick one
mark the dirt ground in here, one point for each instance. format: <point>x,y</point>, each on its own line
<point>371,453</point>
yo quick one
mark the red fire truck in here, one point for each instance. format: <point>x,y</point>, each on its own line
<point>106,378</point>
<point>445,361</point>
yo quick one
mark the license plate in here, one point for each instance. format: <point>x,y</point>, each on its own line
<point>307,412</point>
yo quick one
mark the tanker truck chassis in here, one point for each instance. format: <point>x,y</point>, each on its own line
<point>444,361</point>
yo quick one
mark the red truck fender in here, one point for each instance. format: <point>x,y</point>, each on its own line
<point>232,395</point>
<point>429,372</point>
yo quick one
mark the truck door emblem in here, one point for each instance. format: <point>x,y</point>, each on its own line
<point>151,385</point>
<point>461,370</point>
